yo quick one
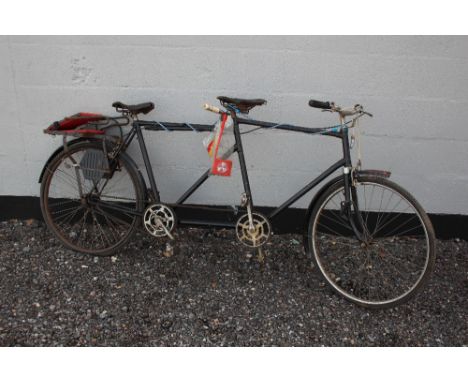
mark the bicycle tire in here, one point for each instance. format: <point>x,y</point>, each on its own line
<point>112,222</point>
<point>332,279</point>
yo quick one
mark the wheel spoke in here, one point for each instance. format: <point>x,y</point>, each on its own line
<point>373,270</point>
<point>100,219</point>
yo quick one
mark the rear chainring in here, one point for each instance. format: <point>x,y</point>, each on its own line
<point>256,235</point>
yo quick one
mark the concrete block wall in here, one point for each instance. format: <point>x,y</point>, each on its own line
<point>417,88</point>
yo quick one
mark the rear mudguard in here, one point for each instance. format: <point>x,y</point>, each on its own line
<point>57,152</point>
<point>339,178</point>
<point>74,142</point>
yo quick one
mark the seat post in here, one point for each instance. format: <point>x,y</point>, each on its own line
<point>146,160</point>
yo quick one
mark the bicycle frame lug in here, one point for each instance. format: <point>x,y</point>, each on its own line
<point>344,209</point>
<point>244,200</point>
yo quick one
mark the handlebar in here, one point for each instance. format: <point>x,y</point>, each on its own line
<point>321,105</point>
<point>343,111</point>
<point>211,108</point>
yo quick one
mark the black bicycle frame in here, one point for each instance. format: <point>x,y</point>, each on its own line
<point>340,132</point>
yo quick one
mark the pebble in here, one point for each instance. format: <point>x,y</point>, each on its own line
<point>168,251</point>
<point>212,294</point>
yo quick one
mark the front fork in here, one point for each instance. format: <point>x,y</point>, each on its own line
<point>351,202</point>
<point>350,206</point>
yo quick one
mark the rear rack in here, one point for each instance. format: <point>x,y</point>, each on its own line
<point>87,127</point>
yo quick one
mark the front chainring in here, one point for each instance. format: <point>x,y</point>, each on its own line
<point>159,220</point>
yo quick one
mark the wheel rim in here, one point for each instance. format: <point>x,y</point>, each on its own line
<point>385,267</point>
<point>91,220</point>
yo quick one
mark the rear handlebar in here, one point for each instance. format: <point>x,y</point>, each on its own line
<point>211,108</point>
<point>320,104</point>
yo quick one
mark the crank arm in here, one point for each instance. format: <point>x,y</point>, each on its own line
<point>160,223</point>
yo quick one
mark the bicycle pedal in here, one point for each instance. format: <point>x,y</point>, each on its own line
<point>261,255</point>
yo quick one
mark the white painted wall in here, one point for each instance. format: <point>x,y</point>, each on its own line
<point>417,88</point>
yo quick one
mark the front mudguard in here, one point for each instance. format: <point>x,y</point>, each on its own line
<point>379,173</point>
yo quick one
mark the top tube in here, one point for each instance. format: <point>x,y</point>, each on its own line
<point>332,130</point>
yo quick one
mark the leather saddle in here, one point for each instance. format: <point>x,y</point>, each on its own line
<point>144,108</point>
<point>243,105</point>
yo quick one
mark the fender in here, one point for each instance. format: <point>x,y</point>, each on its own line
<point>74,142</point>
<point>379,173</point>
<point>57,152</point>
<point>339,178</point>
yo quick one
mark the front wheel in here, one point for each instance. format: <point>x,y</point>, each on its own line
<point>394,254</point>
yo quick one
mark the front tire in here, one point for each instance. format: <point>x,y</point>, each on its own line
<point>391,262</point>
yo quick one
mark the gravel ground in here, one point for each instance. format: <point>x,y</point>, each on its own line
<point>207,291</point>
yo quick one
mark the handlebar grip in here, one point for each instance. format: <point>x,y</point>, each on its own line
<point>320,104</point>
<point>213,109</point>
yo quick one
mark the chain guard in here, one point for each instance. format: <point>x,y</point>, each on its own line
<point>159,220</point>
<point>258,235</point>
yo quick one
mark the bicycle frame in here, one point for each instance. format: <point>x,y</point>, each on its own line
<point>339,131</point>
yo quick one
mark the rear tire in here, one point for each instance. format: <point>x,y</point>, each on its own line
<point>395,260</point>
<point>88,221</point>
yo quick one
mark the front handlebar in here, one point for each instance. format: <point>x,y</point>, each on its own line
<point>342,111</point>
<point>321,105</point>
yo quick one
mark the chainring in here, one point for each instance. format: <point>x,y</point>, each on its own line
<point>159,220</point>
<point>254,236</point>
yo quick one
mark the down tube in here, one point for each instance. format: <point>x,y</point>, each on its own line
<point>308,187</point>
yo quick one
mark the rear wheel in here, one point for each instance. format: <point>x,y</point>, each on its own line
<point>89,206</point>
<point>393,258</point>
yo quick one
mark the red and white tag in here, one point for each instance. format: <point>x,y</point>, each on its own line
<point>221,167</point>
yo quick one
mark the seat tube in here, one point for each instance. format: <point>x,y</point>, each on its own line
<point>146,160</point>
<point>240,153</point>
